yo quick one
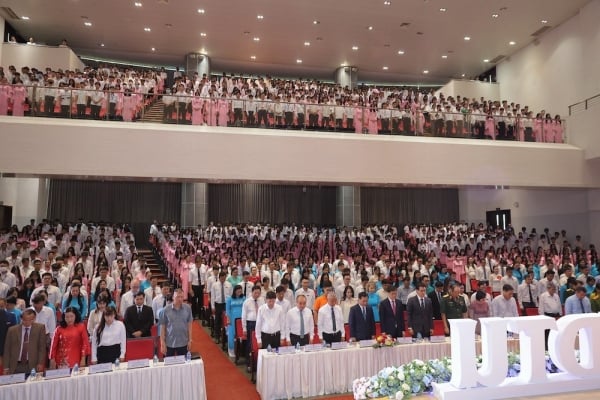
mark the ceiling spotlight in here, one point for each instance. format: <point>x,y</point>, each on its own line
<point>512,43</point>
<point>315,22</point>
<point>299,61</point>
<point>87,23</point>
<point>260,16</point>
<point>153,49</point>
<point>101,44</point>
<point>137,4</point>
<point>385,68</point>
<point>401,52</point>
<point>354,48</point>
<point>25,18</point>
<point>544,21</point>
<point>442,9</point>
<point>495,15</point>
<point>486,60</point>
<point>201,11</point>
<point>370,28</point>
<point>444,56</point>
<point>387,3</point>
<point>467,38</point>
<point>256,39</point>
<point>147,29</point>
<point>203,34</point>
<point>307,43</point>
<point>426,71</point>
<point>463,75</point>
<point>253,57</point>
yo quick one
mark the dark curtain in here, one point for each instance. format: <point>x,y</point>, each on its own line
<point>408,205</point>
<point>271,204</point>
<point>134,203</point>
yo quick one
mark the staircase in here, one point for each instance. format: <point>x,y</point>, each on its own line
<point>154,113</point>
<point>155,265</point>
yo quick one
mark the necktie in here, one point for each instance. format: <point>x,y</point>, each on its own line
<point>581,305</point>
<point>272,283</point>
<point>422,303</point>
<point>256,306</point>
<point>139,310</point>
<point>485,271</point>
<point>333,320</point>
<point>439,297</point>
<point>393,303</point>
<point>222,292</point>
<point>245,289</point>
<point>364,312</point>
<point>25,348</point>
<point>164,303</point>
<point>302,333</point>
<point>530,294</point>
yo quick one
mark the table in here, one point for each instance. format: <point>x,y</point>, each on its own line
<point>309,374</point>
<point>183,381</point>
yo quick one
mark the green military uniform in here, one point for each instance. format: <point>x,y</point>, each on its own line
<point>453,308</point>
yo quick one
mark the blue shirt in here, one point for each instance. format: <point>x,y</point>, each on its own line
<point>573,306</point>
<point>83,309</point>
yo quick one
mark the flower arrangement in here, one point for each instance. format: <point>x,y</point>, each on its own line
<point>383,340</point>
<point>417,377</point>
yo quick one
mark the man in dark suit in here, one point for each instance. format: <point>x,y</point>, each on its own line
<point>139,318</point>
<point>361,319</point>
<point>420,313</point>
<point>25,346</point>
<point>436,299</point>
<point>391,315</point>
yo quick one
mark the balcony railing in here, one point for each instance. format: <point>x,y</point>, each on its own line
<point>115,105</point>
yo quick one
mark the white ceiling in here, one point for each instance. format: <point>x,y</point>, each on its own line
<point>288,24</point>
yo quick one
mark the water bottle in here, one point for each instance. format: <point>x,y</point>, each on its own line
<point>75,370</point>
<point>155,361</point>
<point>269,349</point>
<point>188,357</point>
<point>32,375</point>
<point>117,363</point>
<point>297,347</point>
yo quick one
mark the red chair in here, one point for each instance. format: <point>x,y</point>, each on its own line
<point>463,279</point>
<point>154,331</point>
<point>377,329</point>
<point>347,331</point>
<point>204,313</point>
<point>316,339</point>
<point>474,284</point>
<point>532,311</point>
<point>240,338</point>
<point>142,348</point>
<point>438,327</point>
<point>494,294</point>
<point>254,357</point>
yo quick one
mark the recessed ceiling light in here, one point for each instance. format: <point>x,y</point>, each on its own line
<point>87,23</point>
<point>343,64</point>
<point>486,60</point>
<point>203,34</point>
<point>25,17</point>
<point>444,56</point>
<point>387,3</point>
<point>544,21</point>
<point>467,38</point>
<point>307,43</point>
<point>425,71</point>
<point>401,52</point>
<point>495,15</point>
<point>355,48</point>
<point>101,44</point>
<point>137,4</point>
<point>385,68</point>
<point>260,16</point>
<point>315,22</point>
<point>299,61</point>
<point>463,75</point>
<point>253,57</point>
<point>256,39</point>
<point>370,28</point>
<point>147,29</point>
<point>512,43</point>
<point>201,11</point>
<point>442,9</point>
<point>153,49</point>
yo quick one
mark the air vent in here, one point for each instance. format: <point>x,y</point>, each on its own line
<point>496,59</point>
<point>9,13</point>
<point>405,25</point>
<point>541,31</point>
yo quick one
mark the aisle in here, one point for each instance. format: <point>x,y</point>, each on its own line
<point>223,379</point>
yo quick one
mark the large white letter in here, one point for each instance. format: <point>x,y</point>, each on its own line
<point>531,346</point>
<point>561,344</point>
<point>493,350</point>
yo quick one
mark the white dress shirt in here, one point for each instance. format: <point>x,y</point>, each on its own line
<point>310,296</point>
<point>47,317</point>
<point>523,293</point>
<point>54,295</point>
<point>549,304</point>
<point>325,323</point>
<point>111,335</point>
<point>285,305</point>
<point>292,322</point>
<point>250,310</point>
<point>216,293</point>
<point>504,308</point>
<point>126,301</point>
<point>269,320</point>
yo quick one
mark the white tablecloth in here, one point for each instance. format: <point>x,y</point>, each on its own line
<point>181,382</point>
<point>333,371</point>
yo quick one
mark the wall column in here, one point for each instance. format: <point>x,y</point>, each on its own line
<point>347,202</point>
<point>28,198</point>
<point>194,204</point>
<point>346,76</point>
<point>197,62</point>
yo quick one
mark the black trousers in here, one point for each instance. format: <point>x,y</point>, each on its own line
<point>270,339</point>
<point>349,124</point>
<point>49,105</point>
<point>262,117</point>
<point>80,110</point>
<point>332,337</point>
<point>197,299</point>
<point>289,118</point>
<point>406,126</point>
<point>108,354</point>
<point>250,328</point>
<point>219,309</point>
<point>176,351</point>
<point>300,119</point>
<point>250,119</point>
<point>302,340</point>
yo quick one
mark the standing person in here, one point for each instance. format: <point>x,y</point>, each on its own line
<point>71,344</point>
<point>219,292</point>
<point>391,314</point>
<point>196,287</point>
<point>76,300</point>
<point>420,313</point>
<point>197,115</point>
<point>505,306</point>
<point>578,303</point>
<point>331,321</point>
<point>109,340</point>
<point>299,324</point>
<point>270,322</point>
<point>453,307</point>
<point>249,314</point>
<point>361,319</point>
<point>550,306</point>
<point>233,309</point>
<point>139,318</point>
<point>527,294</point>
<point>25,346</point>
<point>480,308</point>
<point>19,96</point>
<point>176,327</point>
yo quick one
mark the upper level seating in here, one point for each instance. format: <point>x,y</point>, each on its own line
<point>127,94</point>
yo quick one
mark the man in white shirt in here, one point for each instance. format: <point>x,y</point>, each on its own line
<point>281,300</point>
<point>54,296</point>
<point>509,279</point>
<point>151,292</point>
<point>160,301</point>
<point>219,293</point>
<point>299,324</point>
<point>6,276</point>
<point>307,292</point>
<point>549,305</point>
<point>44,315</point>
<point>505,306</point>
<point>331,321</point>
<point>527,294</point>
<point>110,282</point>
<point>128,298</point>
<point>249,314</point>
<point>195,289</point>
<point>273,274</point>
<point>270,323</point>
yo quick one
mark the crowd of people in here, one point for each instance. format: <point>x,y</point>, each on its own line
<point>228,100</point>
<point>282,281</point>
<point>75,294</point>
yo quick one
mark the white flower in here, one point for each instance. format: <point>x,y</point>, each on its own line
<point>405,387</point>
<point>419,363</point>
